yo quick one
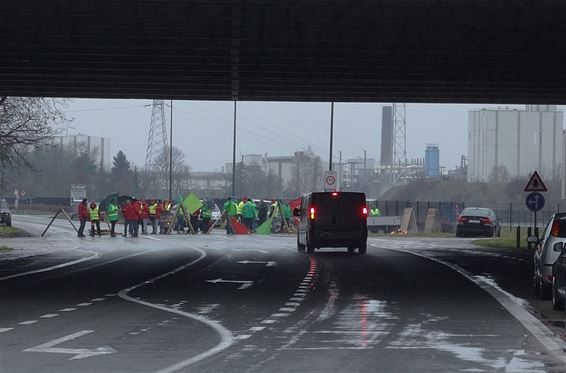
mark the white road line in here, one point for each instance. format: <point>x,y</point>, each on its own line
<point>292,304</point>
<point>97,299</point>
<point>226,338</point>
<point>49,315</point>
<point>28,322</point>
<point>257,328</point>
<point>110,295</point>
<point>58,266</point>
<point>287,309</point>
<point>2,330</point>
<point>243,336</point>
<point>280,315</point>
<point>296,299</point>
<point>85,304</point>
<point>68,309</point>
<point>541,332</point>
<point>269,321</point>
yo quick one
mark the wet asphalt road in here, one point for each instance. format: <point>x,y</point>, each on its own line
<point>251,304</point>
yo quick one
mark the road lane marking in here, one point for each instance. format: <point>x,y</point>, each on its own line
<point>49,315</point>
<point>67,309</point>
<point>269,321</point>
<point>243,336</point>
<point>292,304</point>
<point>280,315</point>
<point>110,295</point>
<point>268,263</point>
<point>244,284</point>
<point>97,299</point>
<point>257,328</point>
<point>58,266</point>
<point>80,353</point>
<point>28,322</point>
<point>287,309</point>
<point>226,338</point>
<point>2,330</point>
<point>297,299</point>
<point>541,332</point>
<point>85,304</point>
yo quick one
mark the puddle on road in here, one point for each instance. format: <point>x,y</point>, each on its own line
<point>415,336</point>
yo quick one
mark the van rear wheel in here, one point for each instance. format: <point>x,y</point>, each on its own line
<point>362,248</point>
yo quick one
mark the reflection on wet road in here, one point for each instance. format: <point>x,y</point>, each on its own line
<point>253,304</point>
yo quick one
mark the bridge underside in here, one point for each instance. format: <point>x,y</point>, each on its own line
<point>489,51</point>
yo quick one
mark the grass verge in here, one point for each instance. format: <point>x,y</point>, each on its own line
<point>10,232</point>
<point>508,240</point>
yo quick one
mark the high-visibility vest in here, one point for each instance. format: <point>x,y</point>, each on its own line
<point>112,212</point>
<point>93,213</point>
<point>153,209</point>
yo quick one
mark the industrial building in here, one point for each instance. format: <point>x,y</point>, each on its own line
<point>508,143</point>
<point>432,161</point>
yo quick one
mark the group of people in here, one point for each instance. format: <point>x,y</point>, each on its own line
<point>248,213</point>
<point>136,213</point>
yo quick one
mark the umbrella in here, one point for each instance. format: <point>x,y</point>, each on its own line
<point>111,198</point>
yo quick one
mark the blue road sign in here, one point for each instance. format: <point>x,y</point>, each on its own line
<point>534,201</point>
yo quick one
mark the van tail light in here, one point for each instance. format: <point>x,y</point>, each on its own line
<point>555,228</point>
<point>312,213</point>
<point>486,221</point>
<point>461,220</point>
<point>365,211</point>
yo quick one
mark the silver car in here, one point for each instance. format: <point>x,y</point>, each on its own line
<point>545,257</point>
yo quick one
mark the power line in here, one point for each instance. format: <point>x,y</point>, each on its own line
<point>109,108</point>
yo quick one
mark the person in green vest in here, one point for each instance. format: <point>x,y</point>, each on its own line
<point>230,211</point>
<point>112,214</point>
<point>248,214</point>
<point>94,217</point>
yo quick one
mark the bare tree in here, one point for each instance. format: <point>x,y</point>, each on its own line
<point>26,122</point>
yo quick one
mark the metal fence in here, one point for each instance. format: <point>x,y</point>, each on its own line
<point>508,213</point>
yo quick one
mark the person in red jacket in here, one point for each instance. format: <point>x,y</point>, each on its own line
<point>83,217</point>
<point>135,216</point>
<point>144,215</point>
<point>130,218</point>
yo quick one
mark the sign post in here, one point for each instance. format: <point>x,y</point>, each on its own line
<point>535,200</point>
<point>330,178</point>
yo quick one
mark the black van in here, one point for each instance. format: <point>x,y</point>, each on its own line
<point>332,219</point>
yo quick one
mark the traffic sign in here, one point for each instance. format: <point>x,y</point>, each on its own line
<point>535,184</point>
<point>330,178</point>
<point>78,192</point>
<point>534,201</point>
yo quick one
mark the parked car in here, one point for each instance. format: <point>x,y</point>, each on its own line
<point>545,256</point>
<point>332,219</point>
<point>5,215</point>
<point>559,277</point>
<point>477,221</point>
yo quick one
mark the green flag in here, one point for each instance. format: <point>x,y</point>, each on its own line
<point>192,203</point>
<point>264,228</point>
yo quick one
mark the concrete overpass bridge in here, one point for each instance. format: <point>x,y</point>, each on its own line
<point>488,51</point>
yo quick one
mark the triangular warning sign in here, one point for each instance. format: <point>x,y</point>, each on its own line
<point>535,184</point>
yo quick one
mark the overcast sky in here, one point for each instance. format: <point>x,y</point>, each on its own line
<point>203,130</point>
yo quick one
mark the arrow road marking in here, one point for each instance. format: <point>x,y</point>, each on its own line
<point>245,284</point>
<point>267,263</point>
<point>80,353</point>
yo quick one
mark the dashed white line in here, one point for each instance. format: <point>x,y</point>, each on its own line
<point>287,309</point>
<point>269,321</point>
<point>97,299</point>
<point>28,322</point>
<point>67,309</point>
<point>2,330</point>
<point>257,328</point>
<point>49,315</point>
<point>85,304</point>
<point>292,304</point>
<point>280,315</point>
<point>297,299</point>
<point>110,295</point>
<point>243,336</point>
